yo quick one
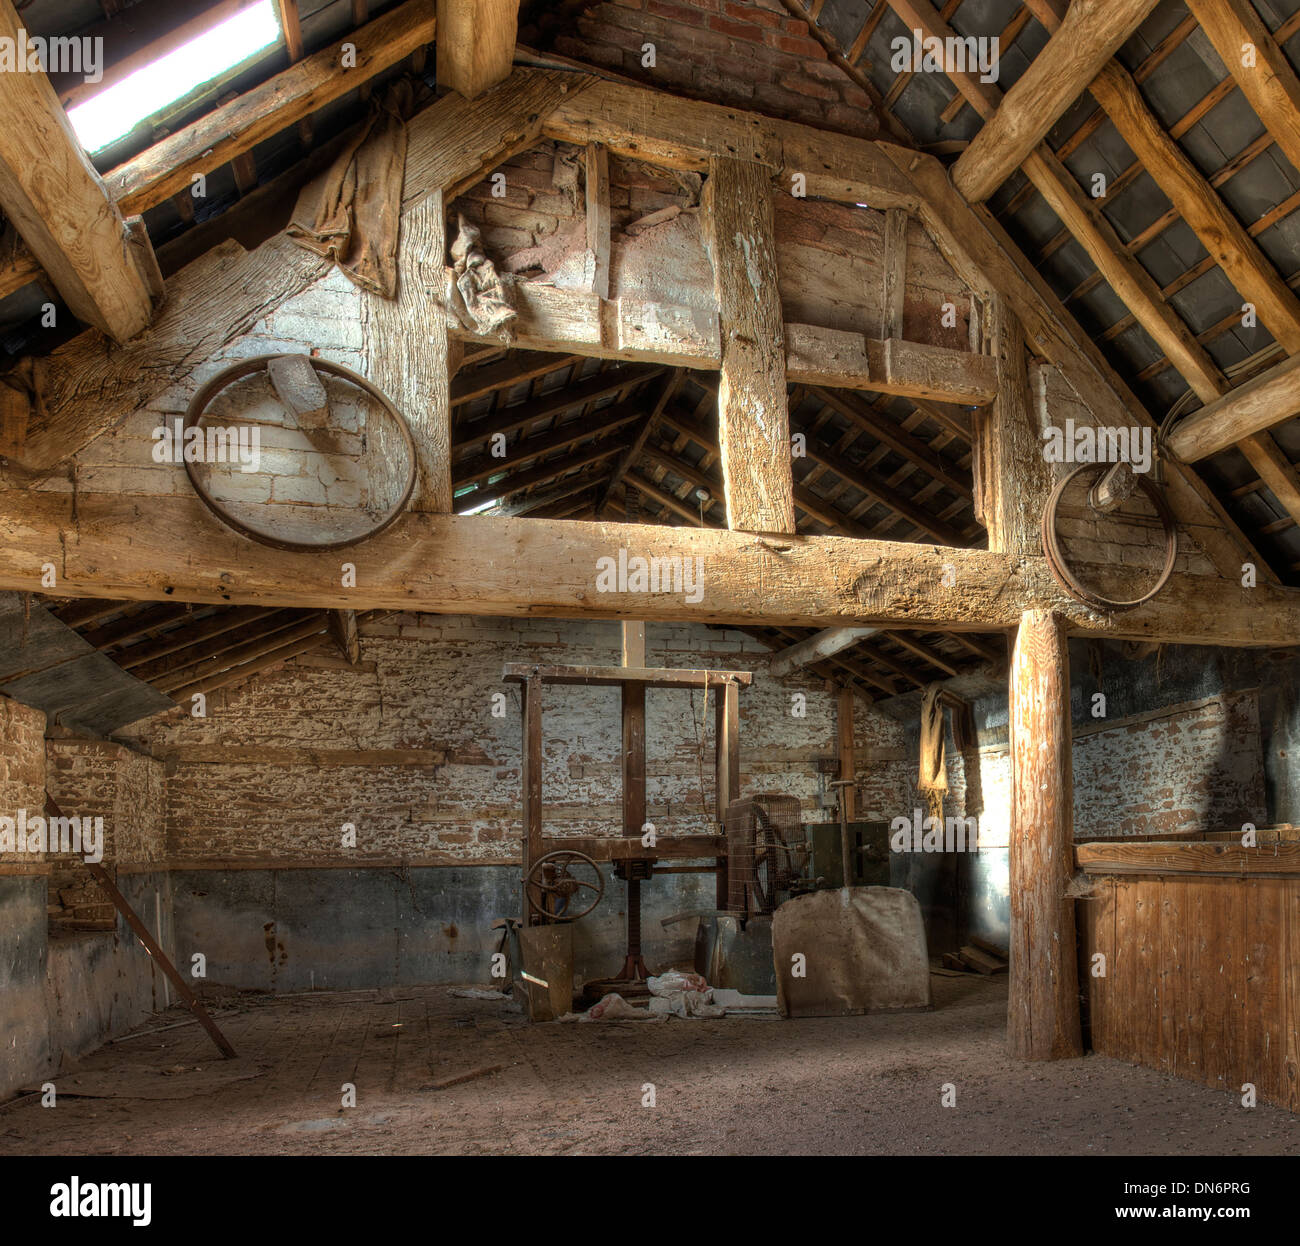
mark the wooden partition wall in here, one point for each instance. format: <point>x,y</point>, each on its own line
<point>1202,969</point>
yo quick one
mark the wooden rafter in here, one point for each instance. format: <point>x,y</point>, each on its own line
<point>1089,35</point>
<point>1228,244</point>
<point>51,193</point>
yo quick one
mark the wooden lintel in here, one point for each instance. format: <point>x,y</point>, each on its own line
<point>616,676</point>
<point>170,548</point>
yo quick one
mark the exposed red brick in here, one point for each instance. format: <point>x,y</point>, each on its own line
<point>677,12</point>
<point>798,47</point>
<point>748,13</point>
<point>736,30</point>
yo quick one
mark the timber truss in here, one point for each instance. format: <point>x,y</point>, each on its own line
<point>916,395</point>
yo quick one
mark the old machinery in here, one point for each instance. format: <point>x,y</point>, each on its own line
<point>556,894</point>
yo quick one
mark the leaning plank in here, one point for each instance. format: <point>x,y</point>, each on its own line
<point>1090,34</point>
<point>51,193</point>
<point>753,416</point>
<point>221,296</point>
<point>171,548</point>
<point>170,166</point>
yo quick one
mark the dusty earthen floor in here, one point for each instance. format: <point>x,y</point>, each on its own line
<point>854,1085</point>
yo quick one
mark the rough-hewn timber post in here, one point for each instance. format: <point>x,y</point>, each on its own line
<point>1043,1008</point>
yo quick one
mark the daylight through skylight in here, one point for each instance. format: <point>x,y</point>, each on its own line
<point>115,111</point>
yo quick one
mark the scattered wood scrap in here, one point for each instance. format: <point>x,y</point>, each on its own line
<point>485,1071</point>
<point>978,956</point>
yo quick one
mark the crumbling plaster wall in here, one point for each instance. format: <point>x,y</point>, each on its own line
<point>64,994</point>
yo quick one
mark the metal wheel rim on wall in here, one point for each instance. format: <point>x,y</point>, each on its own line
<point>1056,559</point>
<point>246,367</point>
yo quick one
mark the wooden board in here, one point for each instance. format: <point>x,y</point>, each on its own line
<point>1203,980</point>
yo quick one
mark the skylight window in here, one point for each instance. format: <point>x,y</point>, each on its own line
<point>114,112</point>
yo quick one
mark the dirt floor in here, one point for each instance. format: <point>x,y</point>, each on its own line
<point>852,1085</point>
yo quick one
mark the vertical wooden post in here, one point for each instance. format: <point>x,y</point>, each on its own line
<point>1015,479</point>
<point>598,240</point>
<point>633,644</point>
<point>633,816</point>
<point>726,734</point>
<point>532,785</point>
<point>895,278</point>
<point>407,353</point>
<point>1043,1009</point>
<point>848,767</point>
<point>753,411</point>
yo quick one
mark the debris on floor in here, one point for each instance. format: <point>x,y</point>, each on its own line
<point>978,956</point>
<point>478,992</point>
<point>679,993</point>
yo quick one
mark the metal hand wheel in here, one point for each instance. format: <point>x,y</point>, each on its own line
<point>551,882</point>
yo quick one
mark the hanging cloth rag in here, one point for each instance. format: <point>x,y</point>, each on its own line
<point>476,293</point>
<point>352,213</point>
<point>933,778</point>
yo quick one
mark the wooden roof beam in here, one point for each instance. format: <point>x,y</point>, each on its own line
<point>509,420</point>
<point>1260,404</point>
<point>51,193</point>
<point>971,238</point>
<point>562,437</point>
<point>144,548</point>
<point>666,391</point>
<point>1091,32</point>
<point>825,644</point>
<point>476,43</point>
<point>544,473</point>
<point>1268,82</point>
